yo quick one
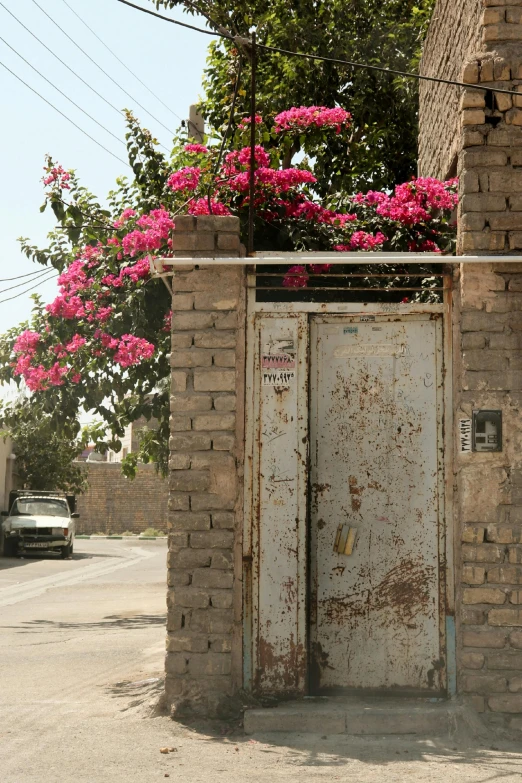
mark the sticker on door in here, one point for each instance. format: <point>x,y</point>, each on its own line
<point>278,363</point>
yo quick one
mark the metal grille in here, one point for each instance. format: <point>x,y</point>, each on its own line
<point>375,283</point>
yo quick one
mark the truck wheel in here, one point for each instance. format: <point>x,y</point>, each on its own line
<point>10,547</point>
<point>67,551</point>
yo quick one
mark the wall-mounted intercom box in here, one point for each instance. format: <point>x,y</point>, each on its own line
<point>487,430</point>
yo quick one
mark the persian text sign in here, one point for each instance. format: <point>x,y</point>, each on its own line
<point>278,363</point>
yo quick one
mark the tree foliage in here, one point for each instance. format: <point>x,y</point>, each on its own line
<point>44,455</point>
<point>382,147</point>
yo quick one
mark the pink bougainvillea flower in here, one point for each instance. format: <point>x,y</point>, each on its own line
<point>26,342</point>
<point>132,350</point>
<point>125,215</point>
<point>200,207</point>
<point>360,240</point>
<point>57,176</point>
<point>320,269</point>
<point>245,122</point>
<point>299,118</point>
<point>197,149</point>
<point>185,179</point>
<point>296,277</point>
<point>75,344</point>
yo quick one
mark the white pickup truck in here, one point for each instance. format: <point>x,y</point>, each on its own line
<point>39,521</point>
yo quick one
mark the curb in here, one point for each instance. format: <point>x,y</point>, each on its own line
<point>120,538</point>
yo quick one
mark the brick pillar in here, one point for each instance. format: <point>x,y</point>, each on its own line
<point>203,661</point>
<point>488,375</point>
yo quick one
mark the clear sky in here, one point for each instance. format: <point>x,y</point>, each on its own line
<point>167,58</point>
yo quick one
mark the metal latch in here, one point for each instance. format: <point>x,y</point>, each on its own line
<point>345,539</point>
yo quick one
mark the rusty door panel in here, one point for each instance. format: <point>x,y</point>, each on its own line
<point>280,504</point>
<point>375,438</point>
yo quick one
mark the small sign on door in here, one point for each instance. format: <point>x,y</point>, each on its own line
<point>278,363</point>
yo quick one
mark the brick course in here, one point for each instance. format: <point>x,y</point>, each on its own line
<point>204,594</point>
<point>481,140</point>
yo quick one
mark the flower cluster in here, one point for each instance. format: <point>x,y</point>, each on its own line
<point>196,149</point>
<point>57,176</point>
<point>297,119</point>
<point>155,230</point>
<point>360,240</point>
<point>132,350</point>
<point>185,179</point>
<point>418,200</point>
<point>36,376</point>
<point>245,122</point>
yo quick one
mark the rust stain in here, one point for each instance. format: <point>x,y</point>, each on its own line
<point>355,491</point>
<point>280,672</point>
<point>396,600</point>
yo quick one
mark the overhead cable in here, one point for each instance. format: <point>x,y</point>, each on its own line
<point>62,61</point>
<point>40,273</point>
<point>19,277</point>
<point>65,115</point>
<point>16,296</point>
<point>101,69</point>
<point>306,55</point>
<point>121,61</point>
<point>118,139</point>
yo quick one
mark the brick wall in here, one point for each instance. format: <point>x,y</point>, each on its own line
<point>488,375</point>
<point>486,134</point>
<point>203,662</point>
<point>454,34</point>
<point>114,504</point>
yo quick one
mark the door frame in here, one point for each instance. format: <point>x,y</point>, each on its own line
<point>251,563</point>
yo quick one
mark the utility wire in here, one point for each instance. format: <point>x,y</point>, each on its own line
<point>65,115</point>
<point>246,42</point>
<point>16,296</point>
<point>39,273</point>
<point>121,61</point>
<point>101,69</point>
<point>112,106</point>
<point>19,277</point>
<point>118,139</point>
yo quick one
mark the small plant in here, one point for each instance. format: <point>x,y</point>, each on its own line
<point>152,532</point>
<point>128,533</point>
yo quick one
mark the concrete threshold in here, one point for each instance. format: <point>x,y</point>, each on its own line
<point>427,717</point>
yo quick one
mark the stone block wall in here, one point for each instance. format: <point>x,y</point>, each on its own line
<point>487,372</point>
<point>488,375</point>
<point>203,662</point>
<point>454,34</point>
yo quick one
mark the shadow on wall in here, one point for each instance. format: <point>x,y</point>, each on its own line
<point>115,504</point>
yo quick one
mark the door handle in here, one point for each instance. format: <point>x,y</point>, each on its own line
<point>345,539</point>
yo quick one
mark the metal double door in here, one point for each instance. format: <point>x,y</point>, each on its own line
<point>344,544</point>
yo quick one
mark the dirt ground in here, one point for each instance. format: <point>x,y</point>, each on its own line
<point>81,657</point>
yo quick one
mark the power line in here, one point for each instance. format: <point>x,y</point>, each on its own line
<point>91,88</point>
<point>19,277</point>
<point>16,296</point>
<point>246,42</point>
<point>61,61</point>
<point>64,115</point>
<point>63,93</point>
<point>101,69</point>
<point>121,61</point>
<point>38,274</point>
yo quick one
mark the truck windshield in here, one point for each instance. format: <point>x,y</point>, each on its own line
<point>47,507</point>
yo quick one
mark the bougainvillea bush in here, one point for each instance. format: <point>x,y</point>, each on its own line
<point>102,345</point>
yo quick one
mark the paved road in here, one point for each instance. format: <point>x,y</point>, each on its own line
<point>75,638</point>
<point>81,651</point>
